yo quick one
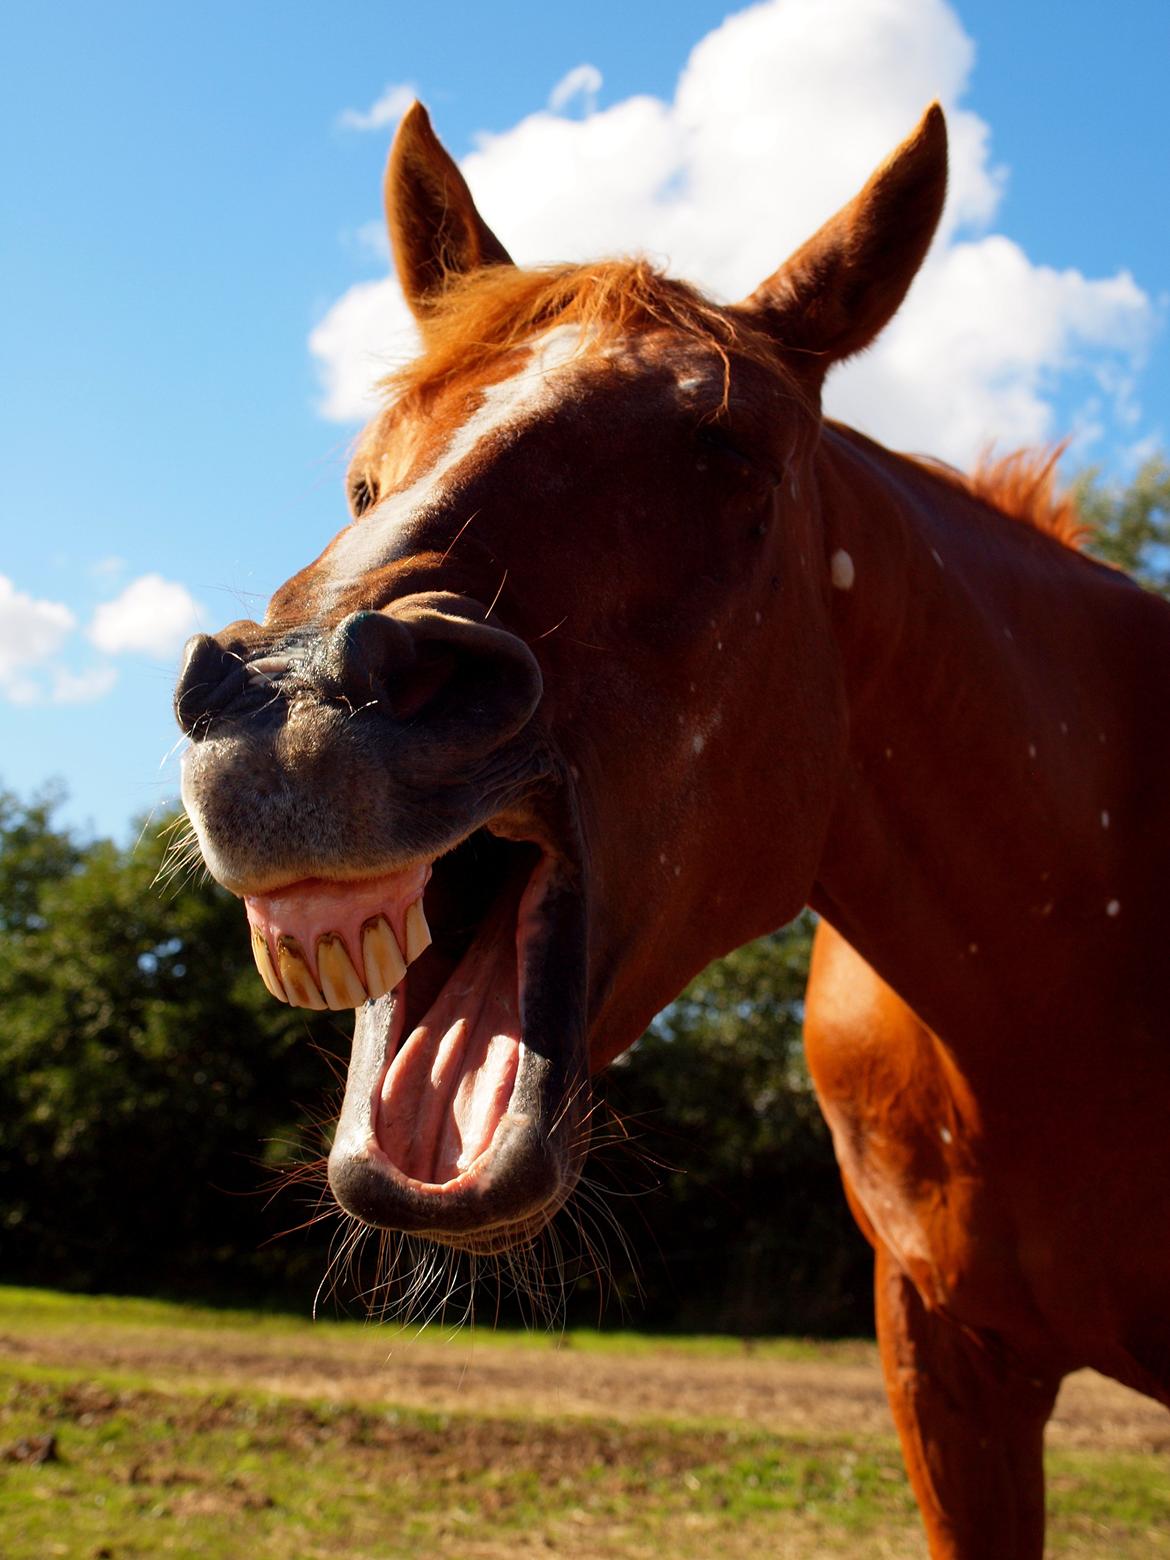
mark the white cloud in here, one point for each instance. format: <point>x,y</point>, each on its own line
<point>778,117</point>
<point>108,568</point>
<point>372,239</point>
<point>31,632</point>
<point>82,687</point>
<point>152,616</point>
<point>366,332</point>
<point>385,110</point>
<point>583,81</point>
<point>977,350</point>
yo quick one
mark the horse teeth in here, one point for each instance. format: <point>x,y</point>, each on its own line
<point>382,957</point>
<point>418,933</point>
<point>296,977</point>
<point>265,965</point>
<point>340,985</point>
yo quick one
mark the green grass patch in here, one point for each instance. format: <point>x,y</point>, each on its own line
<point>27,1310</point>
<point>168,1451</point>
<point>145,1472</point>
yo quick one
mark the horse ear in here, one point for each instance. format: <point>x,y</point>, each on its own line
<point>832,297</point>
<point>435,230</point>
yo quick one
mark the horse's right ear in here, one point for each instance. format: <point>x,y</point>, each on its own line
<point>435,230</point>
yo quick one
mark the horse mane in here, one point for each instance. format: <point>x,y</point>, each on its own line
<point>1023,486</point>
<point>488,314</point>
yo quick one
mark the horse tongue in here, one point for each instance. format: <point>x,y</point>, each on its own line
<point>450,1083</point>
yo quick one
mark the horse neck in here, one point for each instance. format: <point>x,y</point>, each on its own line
<point>977,840</point>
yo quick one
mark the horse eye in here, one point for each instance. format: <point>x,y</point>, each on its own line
<point>361,496</point>
<point>716,440</point>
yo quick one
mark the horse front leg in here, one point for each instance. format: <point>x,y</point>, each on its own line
<point>971,1428</point>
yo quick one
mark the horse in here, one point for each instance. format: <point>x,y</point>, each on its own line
<point>625,655</point>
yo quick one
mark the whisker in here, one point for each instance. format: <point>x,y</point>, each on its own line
<point>496,597</point>
<point>458,534</point>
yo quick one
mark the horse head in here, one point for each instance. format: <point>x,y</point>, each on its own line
<point>558,716</point>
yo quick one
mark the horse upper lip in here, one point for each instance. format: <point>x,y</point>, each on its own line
<point>319,944</point>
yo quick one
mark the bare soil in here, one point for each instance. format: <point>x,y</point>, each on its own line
<point>839,1393</point>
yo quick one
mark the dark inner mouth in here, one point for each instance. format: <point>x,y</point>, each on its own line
<point>465,887</point>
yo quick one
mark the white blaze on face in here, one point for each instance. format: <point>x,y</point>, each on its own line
<point>376,539</point>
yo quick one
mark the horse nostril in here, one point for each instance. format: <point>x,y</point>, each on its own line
<point>364,650</point>
<point>209,678</point>
<point>372,658</point>
<point>433,656</point>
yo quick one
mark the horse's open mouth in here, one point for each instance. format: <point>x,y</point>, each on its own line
<point>453,1092</point>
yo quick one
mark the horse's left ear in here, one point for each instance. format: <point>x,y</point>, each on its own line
<point>435,230</point>
<point>832,297</point>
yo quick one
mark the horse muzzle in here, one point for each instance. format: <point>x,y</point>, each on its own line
<point>369,793</point>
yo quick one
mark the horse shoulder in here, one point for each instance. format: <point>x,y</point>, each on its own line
<point>909,1140</point>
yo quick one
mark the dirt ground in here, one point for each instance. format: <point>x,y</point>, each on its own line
<point>837,1393</point>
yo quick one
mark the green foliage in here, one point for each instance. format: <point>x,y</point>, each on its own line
<point>751,1222</point>
<point>32,854</point>
<point>1131,526</point>
<point>142,1065</point>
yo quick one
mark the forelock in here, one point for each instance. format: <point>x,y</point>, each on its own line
<point>490,315</point>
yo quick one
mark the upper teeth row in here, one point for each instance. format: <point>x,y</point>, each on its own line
<point>289,975</point>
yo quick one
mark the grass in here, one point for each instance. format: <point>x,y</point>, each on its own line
<point>33,1310</point>
<point>187,1457</point>
<point>145,1472</point>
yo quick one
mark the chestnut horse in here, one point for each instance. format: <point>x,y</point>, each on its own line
<point>627,654</point>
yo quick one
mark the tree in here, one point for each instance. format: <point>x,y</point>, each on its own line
<point>1129,527</point>
<point>750,1220</point>
<point>143,1069</point>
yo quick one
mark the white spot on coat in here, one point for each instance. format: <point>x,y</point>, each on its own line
<point>945,1134</point>
<point>1113,907</point>
<point>1105,818</point>
<point>841,570</point>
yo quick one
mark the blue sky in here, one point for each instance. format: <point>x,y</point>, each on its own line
<point>184,208</point>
